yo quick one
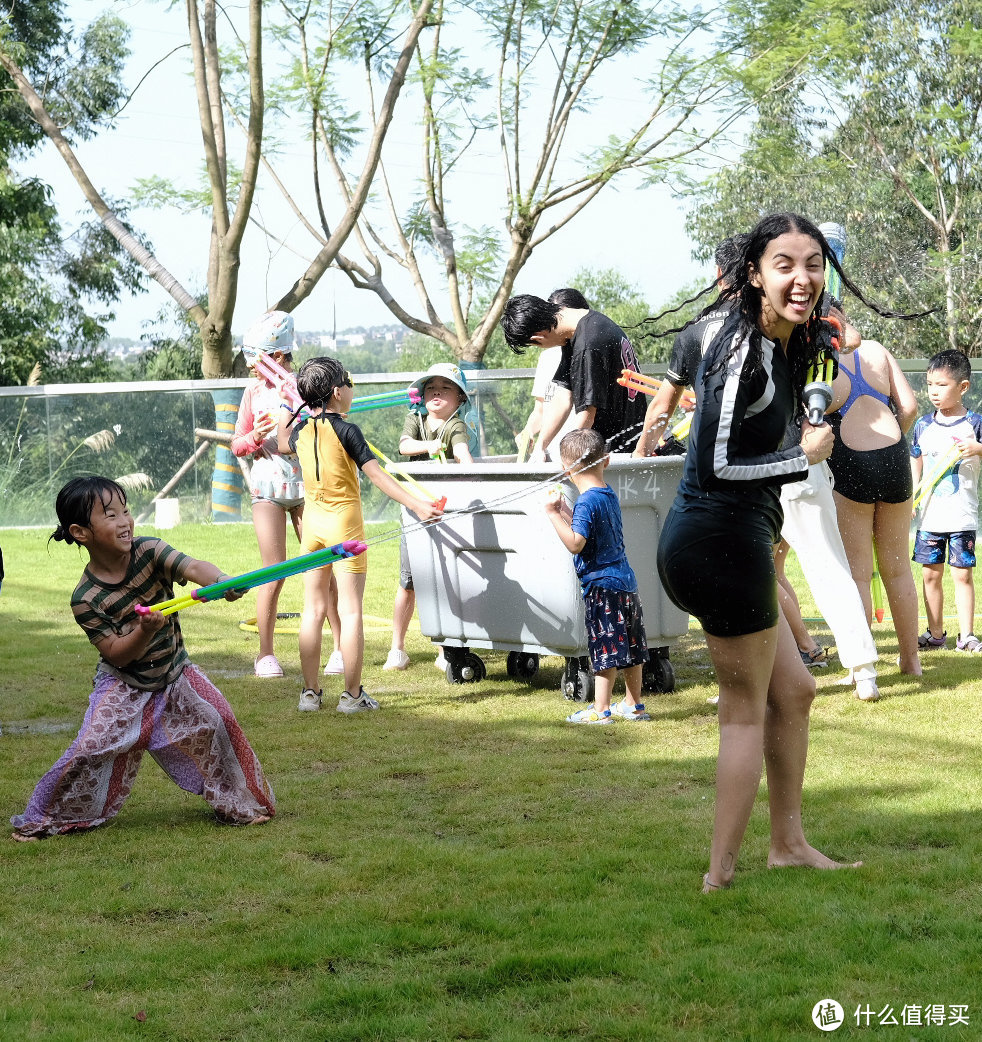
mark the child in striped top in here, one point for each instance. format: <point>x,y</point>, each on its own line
<point>148,695</point>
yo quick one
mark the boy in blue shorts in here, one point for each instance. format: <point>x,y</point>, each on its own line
<point>614,621</point>
<point>945,450</point>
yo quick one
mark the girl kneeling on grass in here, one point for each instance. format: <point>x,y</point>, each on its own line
<point>148,695</point>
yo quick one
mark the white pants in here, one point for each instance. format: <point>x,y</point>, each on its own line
<point>811,529</point>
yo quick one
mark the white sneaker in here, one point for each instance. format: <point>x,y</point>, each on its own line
<point>335,665</point>
<point>309,700</point>
<point>398,659</point>
<point>441,662</point>
<point>350,704</point>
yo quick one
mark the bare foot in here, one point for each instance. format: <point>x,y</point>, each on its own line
<point>806,857</point>
<point>19,837</point>
<point>711,888</point>
<point>911,667</point>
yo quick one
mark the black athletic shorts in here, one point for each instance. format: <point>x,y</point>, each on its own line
<point>718,565</point>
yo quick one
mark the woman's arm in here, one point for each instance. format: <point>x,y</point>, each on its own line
<point>902,395</point>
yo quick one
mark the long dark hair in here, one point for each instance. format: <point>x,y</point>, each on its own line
<point>734,291</point>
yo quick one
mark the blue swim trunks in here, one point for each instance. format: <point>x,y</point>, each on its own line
<point>929,548</point>
<point>614,629</point>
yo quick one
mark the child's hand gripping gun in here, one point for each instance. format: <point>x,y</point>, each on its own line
<point>271,573</point>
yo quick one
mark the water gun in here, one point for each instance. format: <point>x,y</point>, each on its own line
<point>877,588</point>
<point>928,481</point>
<point>396,471</point>
<point>271,573</point>
<point>386,400</point>
<point>636,381</point>
<point>818,390</point>
<point>286,383</point>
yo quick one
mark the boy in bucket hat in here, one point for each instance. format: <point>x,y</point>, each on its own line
<point>434,429</point>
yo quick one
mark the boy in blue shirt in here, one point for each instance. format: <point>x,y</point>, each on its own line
<point>614,620</point>
<point>946,449</point>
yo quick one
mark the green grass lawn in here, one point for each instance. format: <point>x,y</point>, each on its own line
<point>463,865</point>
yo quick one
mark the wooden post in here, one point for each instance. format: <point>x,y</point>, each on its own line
<point>202,448</point>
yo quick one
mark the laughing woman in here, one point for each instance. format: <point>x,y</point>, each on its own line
<point>715,553</point>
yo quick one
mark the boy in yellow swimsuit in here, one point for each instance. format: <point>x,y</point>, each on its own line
<point>331,452</point>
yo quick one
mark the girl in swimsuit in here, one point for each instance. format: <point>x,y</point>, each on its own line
<point>871,466</point>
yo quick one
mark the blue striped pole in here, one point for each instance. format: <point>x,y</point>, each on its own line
<point>226,480</point>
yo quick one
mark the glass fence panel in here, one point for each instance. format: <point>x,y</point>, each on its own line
<point>170,440</point>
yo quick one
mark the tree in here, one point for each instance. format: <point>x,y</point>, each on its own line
<point>231,188</point>
<point>49,279</point>
<point>893,151</point>
<point>532,107</point>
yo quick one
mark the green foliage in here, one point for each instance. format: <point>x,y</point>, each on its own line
<point>50,280</point>
<point>891,149</point>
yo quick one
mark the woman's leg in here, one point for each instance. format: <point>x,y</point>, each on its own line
<point>269,521</point>
<point>856,528</point>
<point>891,530</point>
<point>743,668</point>
<point>351,594</point>
<point>789,697</point>
<point>316,591</point>
<point>788,600</point>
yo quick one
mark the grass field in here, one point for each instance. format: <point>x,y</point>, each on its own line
<point>462,865</point>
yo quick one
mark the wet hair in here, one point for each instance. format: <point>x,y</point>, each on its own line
<point>567,297</point>
<point>76,500</point>
<point>952,361</point>
<point>582,448</point>
<point>317,379</point>
<point>526,315</point>
<point>728,250</point>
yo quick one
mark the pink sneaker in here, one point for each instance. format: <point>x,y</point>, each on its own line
<point>267,667</point>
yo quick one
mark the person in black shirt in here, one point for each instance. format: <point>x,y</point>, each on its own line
<point>595,350</point>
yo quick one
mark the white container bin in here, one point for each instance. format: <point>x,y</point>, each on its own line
<point>166,513</point>
<point>494,575</point>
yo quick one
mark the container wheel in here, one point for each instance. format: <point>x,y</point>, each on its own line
<point>465,669</point>
<point>658,675</point>
<point>577,681</point>
<point>522,664</point>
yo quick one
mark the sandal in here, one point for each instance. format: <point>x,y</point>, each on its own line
<point>817,658</point>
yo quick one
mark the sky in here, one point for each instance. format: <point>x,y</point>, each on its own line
<point>639,232</point>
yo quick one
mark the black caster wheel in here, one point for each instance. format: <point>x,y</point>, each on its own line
<point>658,676</point>
<point>465,669</point>
<point>577,681</point>
<point>523,665</point>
